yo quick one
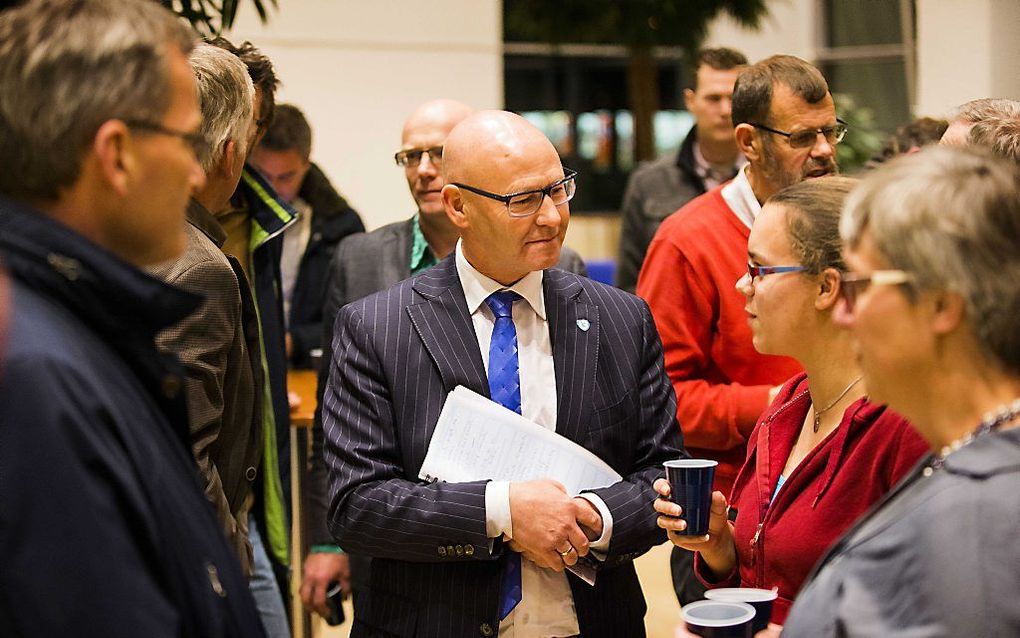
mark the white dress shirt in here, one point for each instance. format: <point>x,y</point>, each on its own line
<point>295,240</point>
<point>547,605</point>
<point>740,198</point>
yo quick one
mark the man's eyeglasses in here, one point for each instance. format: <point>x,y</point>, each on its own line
<point>806,139</point>
<point>412,156</point>
<point>757,272</point>
<point>527,203</point>
<point>852,285</point>
<point>195,140</point>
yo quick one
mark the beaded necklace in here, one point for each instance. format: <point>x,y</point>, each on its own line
<point>992,420</point>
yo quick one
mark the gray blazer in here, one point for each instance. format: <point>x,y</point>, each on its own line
<point>938,557</point>
<point>396,356</point>
<point>214,344</point>
<point>655,191</point>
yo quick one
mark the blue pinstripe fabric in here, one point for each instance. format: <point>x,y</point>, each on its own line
<point>396,356</point>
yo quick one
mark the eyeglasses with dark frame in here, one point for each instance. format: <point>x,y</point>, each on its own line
<point>806,139</point>
<point>195,140</point>
<point>757,272</point>
<point>527,203</point>
<point>853,285</point>
<point>412,156</point>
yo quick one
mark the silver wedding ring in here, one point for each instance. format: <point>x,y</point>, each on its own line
<point>564,553</point>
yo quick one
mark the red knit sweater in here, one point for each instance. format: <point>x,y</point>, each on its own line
<point>868,453</point>
<point>721,381</point>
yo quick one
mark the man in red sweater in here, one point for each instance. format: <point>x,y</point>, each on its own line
<point>786,126</point>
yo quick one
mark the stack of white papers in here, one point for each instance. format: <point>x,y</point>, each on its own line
<point>477,439</point>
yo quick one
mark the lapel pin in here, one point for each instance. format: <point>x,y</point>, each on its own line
<point>583,324</point>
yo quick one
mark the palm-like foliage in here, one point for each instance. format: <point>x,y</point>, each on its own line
<point>640,25</point>
<point>211,17</point>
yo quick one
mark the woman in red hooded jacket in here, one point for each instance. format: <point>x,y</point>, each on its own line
<point>822,454</point>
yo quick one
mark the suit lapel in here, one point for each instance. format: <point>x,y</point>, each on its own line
<point>574,332</point>
<point>444,327</point>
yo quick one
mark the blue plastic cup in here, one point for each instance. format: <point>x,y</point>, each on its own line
<point>719,619</point>
<point>690,484</point>
<point>760,599</point>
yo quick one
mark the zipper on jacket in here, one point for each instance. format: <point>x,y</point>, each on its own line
<point>758,551</point>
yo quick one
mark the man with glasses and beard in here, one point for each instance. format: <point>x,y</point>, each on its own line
<point>785,124</point>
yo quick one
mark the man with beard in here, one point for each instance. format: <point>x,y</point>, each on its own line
<point>785,124</point>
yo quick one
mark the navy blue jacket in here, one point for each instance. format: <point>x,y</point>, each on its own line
<point>104,529</point>
<point>332,220</point>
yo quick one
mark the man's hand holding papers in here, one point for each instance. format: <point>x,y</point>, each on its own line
<point>548,525</point>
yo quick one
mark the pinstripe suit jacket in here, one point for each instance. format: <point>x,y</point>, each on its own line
<point>396,356</point>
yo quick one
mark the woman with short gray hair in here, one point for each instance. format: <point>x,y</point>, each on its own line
<point>934,306</point>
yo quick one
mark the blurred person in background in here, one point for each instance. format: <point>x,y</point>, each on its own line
<point>910,138</point>
<point>104,529</point>
<point>707,157</point>
<point>787,128</point>
<point>283,157</point>
<point>822,454</point>
<point>970,113</point>
<point>933,244</point>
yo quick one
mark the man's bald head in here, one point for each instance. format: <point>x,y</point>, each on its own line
<point>440,114</point>
<point>491,145</point>
<point>426,130</point>
<point>501,153</point>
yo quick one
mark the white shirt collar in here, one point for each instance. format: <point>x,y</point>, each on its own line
<point>740,198</point>
<point>477,287</point>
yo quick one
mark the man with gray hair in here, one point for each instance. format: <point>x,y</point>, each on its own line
<point>99,131</point>
<point>219,343</point>
<point>1001,136</point>
<point>970,113</point>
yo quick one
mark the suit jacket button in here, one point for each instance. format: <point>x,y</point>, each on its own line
<point>469,550</point>
<point>485,629</point>
<point>460,550</point>
<point>442,551</point>
<point>171,386</point>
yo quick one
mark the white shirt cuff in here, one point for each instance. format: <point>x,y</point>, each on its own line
<point>497,510</point>
<point>600,547</point>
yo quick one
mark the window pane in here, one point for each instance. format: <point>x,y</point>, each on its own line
<point>853,23</point>
<point>879,86</point>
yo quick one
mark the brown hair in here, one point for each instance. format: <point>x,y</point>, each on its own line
<point>752,94</point>
<point>720,59</point>
<point>260,68</point>
<point>289,131</point>
<point>812,217</point>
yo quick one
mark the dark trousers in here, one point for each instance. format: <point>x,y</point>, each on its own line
<point>686,585</point>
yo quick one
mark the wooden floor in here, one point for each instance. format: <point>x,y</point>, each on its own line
<point>653,569</point>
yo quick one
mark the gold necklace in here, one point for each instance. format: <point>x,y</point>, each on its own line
<point>819,413</point>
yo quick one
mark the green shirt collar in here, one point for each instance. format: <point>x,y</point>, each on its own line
<point>421,255</point>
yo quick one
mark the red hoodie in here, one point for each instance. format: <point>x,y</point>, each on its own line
<point>778,541</point>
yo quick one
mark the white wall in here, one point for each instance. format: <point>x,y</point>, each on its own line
<point>789,28</point>
<point>966,49</point>
<point>358,68</point>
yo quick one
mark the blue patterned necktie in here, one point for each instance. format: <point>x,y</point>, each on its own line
<point>505,389</point>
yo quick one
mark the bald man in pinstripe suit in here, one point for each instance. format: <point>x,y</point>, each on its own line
<point>587,363</point>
